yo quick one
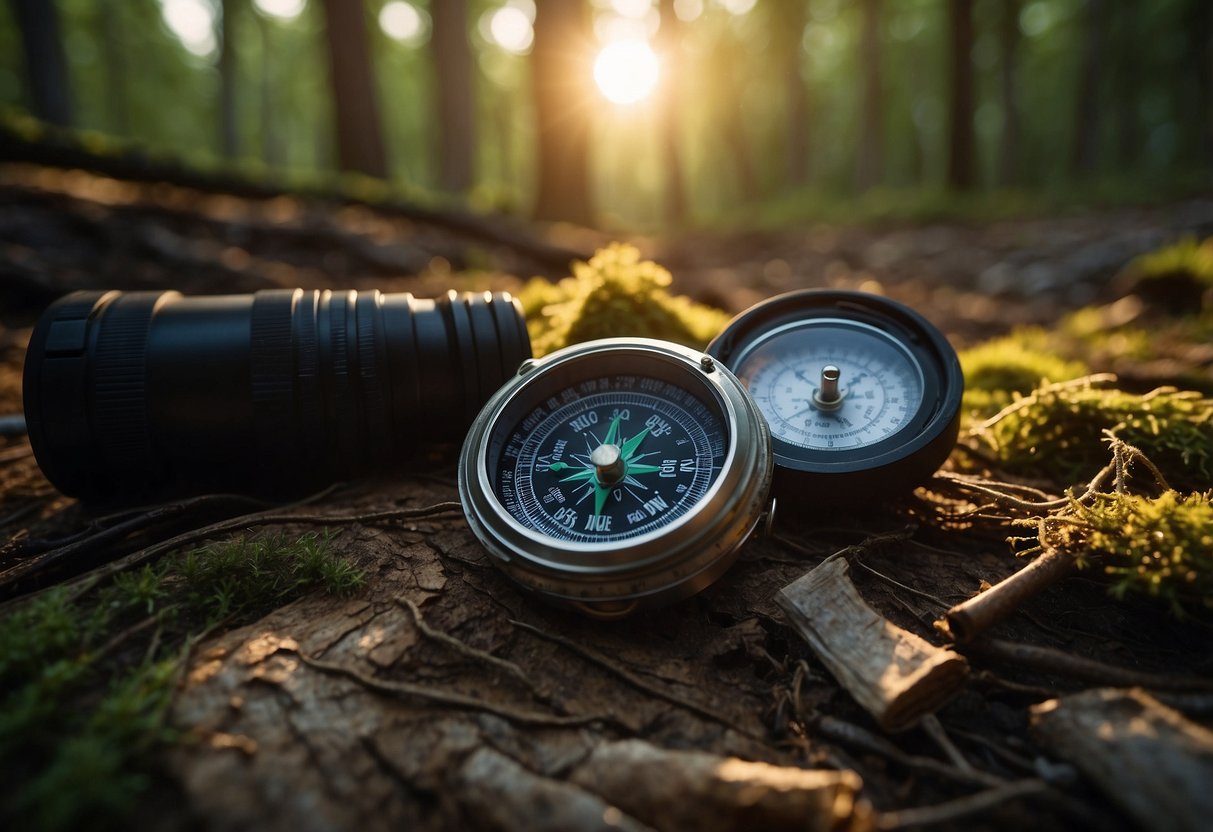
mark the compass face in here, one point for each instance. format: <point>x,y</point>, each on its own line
<point>832,384</point>
<point>608,459</point>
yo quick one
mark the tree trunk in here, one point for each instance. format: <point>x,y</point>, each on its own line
<point>869,170</point>
<point>271,143</point>
<point>1085,156</point>
<point>456,95</point>
<point>1008,41</point>
<point>45,63</point>
<point>229,139</point>
<point>560,74</point>
<point>1128,131</point>
<point>1198,66</point>
<point>961,151</point>
<point>669,113</point>
<point>359,132</point>
<point>115,66</point>
<point>787,33</point>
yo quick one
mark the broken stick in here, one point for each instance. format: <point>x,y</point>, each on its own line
<point>895,675</point>
<point>1148,759</point>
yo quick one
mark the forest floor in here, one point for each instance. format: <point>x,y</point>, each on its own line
<point>439,696</point>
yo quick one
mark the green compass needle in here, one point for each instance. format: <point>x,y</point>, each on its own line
<point>587,474</point>
<point>632,444</point>
<point>613,431</point>
<point>600,498</point>
<point>643,469</point>
<point>557,466</point>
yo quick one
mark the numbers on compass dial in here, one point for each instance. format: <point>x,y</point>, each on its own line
<point>833,384</point>
<point>609,459</point>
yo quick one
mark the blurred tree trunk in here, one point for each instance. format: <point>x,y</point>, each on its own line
<point>359,131</point>
<point>45,63</point>
<point>229,140</point>
<point>456,95</point>
<point>1197,65</point>
<point>1128,132</point>
<point>869,170</point>
<point>115,66</point>
<point>271,143</point>
<point>1008,44</point>
<point>961,146</point>
<point>1085,156</point>
<point>787,36</point>
<point>669,112</point>
<point>560,74</point>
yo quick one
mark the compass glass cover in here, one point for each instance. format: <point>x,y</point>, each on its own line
<point>832,384</point>
<point>607,459</point>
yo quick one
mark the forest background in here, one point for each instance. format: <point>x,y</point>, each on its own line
<point>645,115</point>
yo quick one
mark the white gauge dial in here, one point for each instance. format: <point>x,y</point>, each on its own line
<point>832,384</point>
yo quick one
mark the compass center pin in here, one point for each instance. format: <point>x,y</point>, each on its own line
<point>608,462</point>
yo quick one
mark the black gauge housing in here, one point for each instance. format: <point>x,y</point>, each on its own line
<point>896,463</point>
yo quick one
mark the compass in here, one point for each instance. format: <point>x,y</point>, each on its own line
<point>616,474</point>
<point>861,393</point>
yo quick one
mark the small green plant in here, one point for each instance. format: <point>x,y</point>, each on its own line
<point>85,684</point>
<point>1058,432</point>
<point>999,370</point>
<point>1161,546</point>
<point>614,294</point>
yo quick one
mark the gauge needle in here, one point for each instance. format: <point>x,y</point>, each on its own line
<point>629,447</point>
<point>612,431</point>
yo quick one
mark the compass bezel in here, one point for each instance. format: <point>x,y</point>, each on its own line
<point>893,465</point>
<point>611,578</point>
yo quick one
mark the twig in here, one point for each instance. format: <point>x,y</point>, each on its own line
<point>939,736</point>
<point>90,542</point>
<point>80,586</point>
<point>971,618</point>
<point>1051,660</point>
<point>853,735</point>
<point>632,679</point>
<point>962,807</point>
<point>454,700</point>
<point>933,599</point>
<point>508,667</point>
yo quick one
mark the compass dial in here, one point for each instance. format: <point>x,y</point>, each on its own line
<point>617,457</point>
<point>832,383</point>
<point>617,474</point>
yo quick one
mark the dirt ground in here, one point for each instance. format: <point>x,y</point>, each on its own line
<point>443,697</point>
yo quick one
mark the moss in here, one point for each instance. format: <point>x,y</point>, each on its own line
<point>1188,257</point>
<point>614,294</point>
<point>1161,547</point>
<point>998,371</point>
<point>85,684</point>
<point>1058,432</point>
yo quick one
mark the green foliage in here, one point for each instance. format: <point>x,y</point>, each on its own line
<point>1187,257</point>
<point>1057,431</point>
<point>85,684</point>
<point>1161,547</point>
<point>998,371</point>
<point>615,294</point>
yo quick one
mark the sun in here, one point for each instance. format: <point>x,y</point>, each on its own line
<point>626,71</point>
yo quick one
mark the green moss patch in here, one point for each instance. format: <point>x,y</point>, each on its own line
<point>998,371</point>
<point>1058,432</point>
<point>85,685</point>
<point>614,294</point>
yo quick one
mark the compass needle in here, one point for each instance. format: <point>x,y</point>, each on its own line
<point>663,411</point>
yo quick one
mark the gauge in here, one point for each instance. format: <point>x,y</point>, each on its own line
<point>861,393</point>
<point>616,474</point>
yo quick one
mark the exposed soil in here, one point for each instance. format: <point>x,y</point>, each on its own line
<point>353,713</point>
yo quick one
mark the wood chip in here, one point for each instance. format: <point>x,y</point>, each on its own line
<point>1148,759</point>
<point>895,675</point>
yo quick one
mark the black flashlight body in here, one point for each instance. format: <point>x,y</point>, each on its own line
<point>152,394</point>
